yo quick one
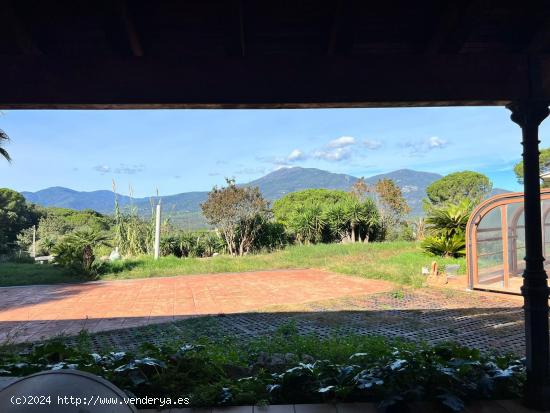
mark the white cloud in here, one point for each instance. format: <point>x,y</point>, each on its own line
<point>372,143</point>
<point>102,168</point>
<point>436,142</point>
<point>296,155</point>
<point>342,142</point>
<point>333,155</point>
<point>121,169</point>
<point>426,145</point>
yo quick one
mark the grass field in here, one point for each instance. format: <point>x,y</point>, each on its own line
<point>400,262</point>
<point>32,274</point>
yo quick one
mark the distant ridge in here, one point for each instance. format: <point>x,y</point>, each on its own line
<point>273,186</point>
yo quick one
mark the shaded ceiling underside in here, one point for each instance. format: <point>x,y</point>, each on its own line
<point>299,53</point>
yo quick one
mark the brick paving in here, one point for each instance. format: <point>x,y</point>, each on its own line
<point>124,314</point>
<point>36,312</point>
<point>489,322</point>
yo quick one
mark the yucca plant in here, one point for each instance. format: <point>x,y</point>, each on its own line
<point>337,221</point>
<point>308,224</point>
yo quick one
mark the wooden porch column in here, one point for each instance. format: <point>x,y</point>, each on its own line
<point>528,115</point>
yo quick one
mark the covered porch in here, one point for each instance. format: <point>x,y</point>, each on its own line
<point>305,54</point>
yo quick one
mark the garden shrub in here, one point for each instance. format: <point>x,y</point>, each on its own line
<point>447,229</point>
<point>278,370</point>
<point>192,244</point>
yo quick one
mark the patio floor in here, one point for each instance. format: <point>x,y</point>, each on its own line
<point>36,312</point>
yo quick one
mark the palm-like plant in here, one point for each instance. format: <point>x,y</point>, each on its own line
<point>308,224</point>
<point>361,215</point>
<point>371,215</point>
<point>355,214</point>
<point>3,152</point>
<point>454,246</point>
<point>447,227</point>
<point>337,221</point>
<point>450,219</point>
<point>77,249</point>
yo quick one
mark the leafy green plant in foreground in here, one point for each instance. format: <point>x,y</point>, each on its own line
<point>288,368</point>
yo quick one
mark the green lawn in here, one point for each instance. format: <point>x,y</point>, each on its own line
<point>399,262</point>
<point>32,274</point>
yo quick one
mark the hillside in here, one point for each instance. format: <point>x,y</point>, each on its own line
<point>184,207</point>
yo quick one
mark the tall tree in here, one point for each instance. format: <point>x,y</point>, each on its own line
<point>3,139</point>
<point>238,213</point>
<point>392,206</point>
<point>360,189</point>
<point>15,215</point>
<point>544,166</point>
<point>455,187</point>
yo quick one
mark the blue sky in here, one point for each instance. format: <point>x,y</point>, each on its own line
<point>191,150</point>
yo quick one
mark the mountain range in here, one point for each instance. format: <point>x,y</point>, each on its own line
<point>273,186</point>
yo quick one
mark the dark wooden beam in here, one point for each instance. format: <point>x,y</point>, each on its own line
<point>236,35</point>
<point>22,36</point>
<point>340,37</point>
<point>130,29</point>
<point>242,27</point>
<point>375,81</point>
<point>540,41</point>
<point>448,23</point>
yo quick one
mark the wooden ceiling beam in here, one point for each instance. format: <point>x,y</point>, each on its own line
<point>22,36</point>
<point>453,27</point>
<point>130,29</point>
<point>375,81</point>
<point>340,37</point>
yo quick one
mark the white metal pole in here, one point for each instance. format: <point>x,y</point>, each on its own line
<point>34,241</point>
<point>157,233</point>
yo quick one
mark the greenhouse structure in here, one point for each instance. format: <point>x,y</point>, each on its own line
<point>495,241</point>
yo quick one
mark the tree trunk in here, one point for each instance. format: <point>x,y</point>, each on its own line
<point>353,233</point>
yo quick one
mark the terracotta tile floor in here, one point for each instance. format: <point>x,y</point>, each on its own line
<point>35,312</point>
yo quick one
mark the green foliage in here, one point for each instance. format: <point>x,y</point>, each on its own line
<point>448,246</point>
<point>447,228</point>
<point>392,206</point>
<point>455,187</point>
<point>544,166</point>
<point>286,207</point>
<point>288,368</point>
<point>55,223</point>
<point>322,215</point>
<point>307,224</point>
<point>15,215</point>
<point>76,250</point>
<point>192,244</point>
<point>272,236</point>
<point>133,235</point>
<point>238,213</point>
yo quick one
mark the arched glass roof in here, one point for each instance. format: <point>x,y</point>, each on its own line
<point>495,241</point>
